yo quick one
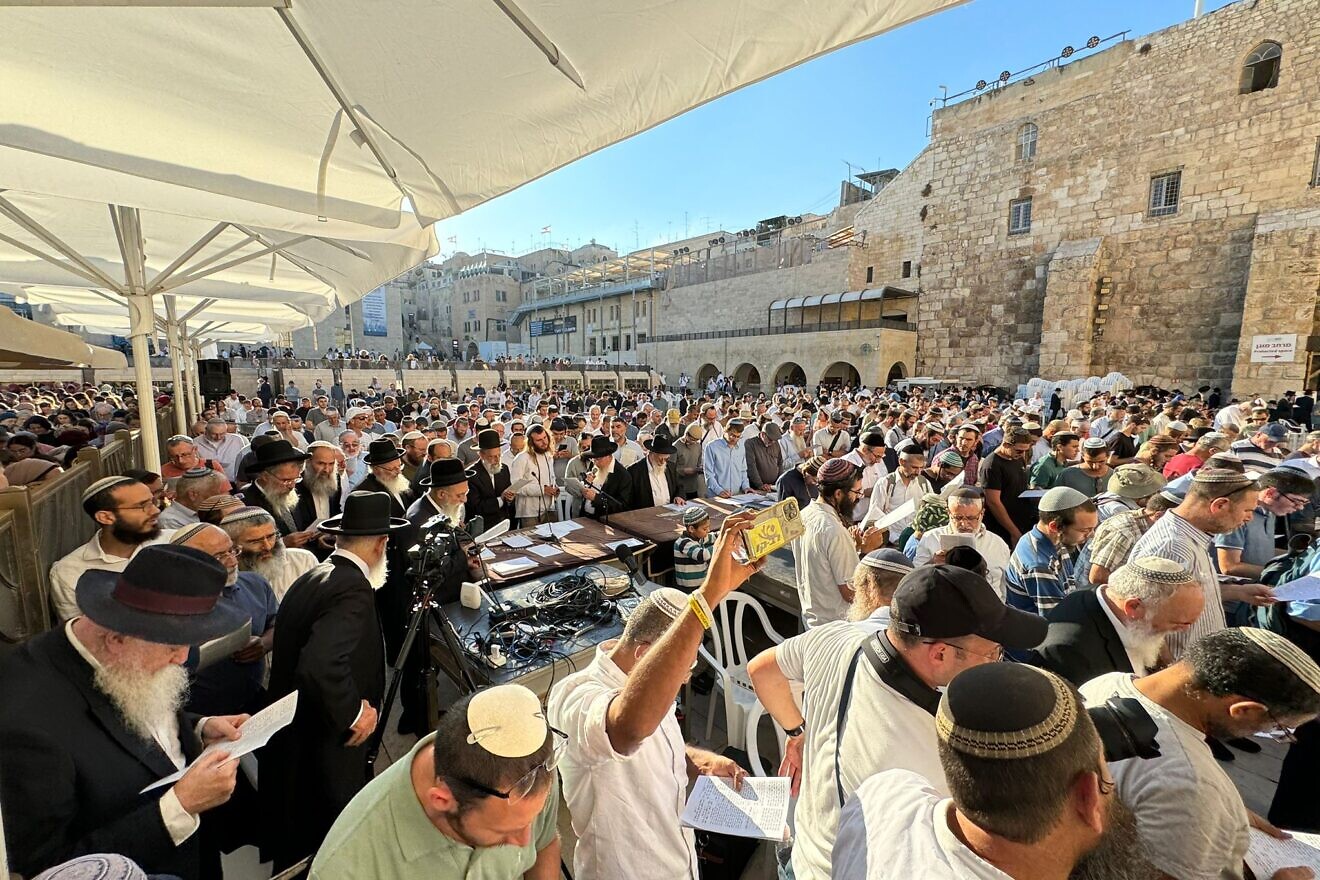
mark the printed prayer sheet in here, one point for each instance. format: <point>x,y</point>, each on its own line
<point>759,809</point>
<point>254,734</point>
<point>1266,855</point>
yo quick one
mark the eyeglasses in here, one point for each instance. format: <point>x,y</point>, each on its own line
<point>145,507</point>
<point>997,656</point>
<point>1284,733</point>
<point>261,540</point>
<point>1297,500</point>
<point>1106,786</point>
<point>976,517</point>
<point>527,782</point>
<point>231,553</point>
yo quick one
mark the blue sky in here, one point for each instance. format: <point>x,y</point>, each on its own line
<point>779,147</point>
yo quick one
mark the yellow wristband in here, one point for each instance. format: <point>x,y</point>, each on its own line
<point>695,604</point>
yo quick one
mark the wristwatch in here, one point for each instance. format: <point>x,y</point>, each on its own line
<point>796,731</point>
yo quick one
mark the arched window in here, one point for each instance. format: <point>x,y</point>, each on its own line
<point>1261,69</point>
<point>1026,142</point>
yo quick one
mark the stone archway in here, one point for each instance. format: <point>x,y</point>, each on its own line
<point>747,376</point>
<point>896,372</point>
<point>704,375</point>
<point>841,373</point>
<point>790,373</point>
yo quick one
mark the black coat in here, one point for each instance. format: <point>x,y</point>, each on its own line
<point>328,648</point>
<point>484,494</point>
<point>619,484</point>
<point>71,770</point>
<point>640,478</point>
<point>304,514</point>
<point>1081,642</point>
<point>394,600</point>
<point>254,497</point>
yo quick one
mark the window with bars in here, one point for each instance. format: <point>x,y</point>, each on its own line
<point>1019,216</point>
<point>1165,190</point>
<point>1026,142</point>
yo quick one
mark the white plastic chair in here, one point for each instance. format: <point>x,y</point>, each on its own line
<point>729,664</point>
<point>754,714</point>
<point>564,506</point>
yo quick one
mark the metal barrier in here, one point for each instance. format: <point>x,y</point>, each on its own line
<point>40,524</point>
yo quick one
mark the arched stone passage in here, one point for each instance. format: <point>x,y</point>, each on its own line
<point>896,372</point>
<point>705,374</point>
<point>747,374</point>
<point>790,373</point>
<point>841,373</point>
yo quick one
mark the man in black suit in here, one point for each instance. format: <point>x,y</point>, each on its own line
<point>489,494</point>
<point>608,488</point>
<point>1120,627</point>
<point>276,468</point>
<point>92,718</point>
<point>656,472</point>
<point>319,492</point>
<point>328,648</point>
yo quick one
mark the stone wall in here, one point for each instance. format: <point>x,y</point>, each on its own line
<point>990,310</point>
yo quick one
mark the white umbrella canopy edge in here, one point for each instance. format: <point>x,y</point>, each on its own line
<point>276,318</point>
<point>483,97</point>
<point>24,342</point>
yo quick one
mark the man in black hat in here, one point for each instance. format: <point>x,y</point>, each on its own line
<point>1031,794</point>
<point>489,494</point>
<point>276,467</point>
<point>328,648</point>
<point>606,486</point>
<point>870,698</point>
<point>655,478</point>
<point>93,717</point>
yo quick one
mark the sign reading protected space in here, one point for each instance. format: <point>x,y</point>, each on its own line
<point>1274,349</point>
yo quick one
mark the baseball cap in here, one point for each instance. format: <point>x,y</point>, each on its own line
<point>1275,431</point>
<point>946,602</point>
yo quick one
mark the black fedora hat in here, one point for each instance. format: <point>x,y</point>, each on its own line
<point>601,446</point>
<point>489,439</point>
<point>167,594</point>
<point>382,452</point>
<point>267,455</point>
<point>660,444</point>
<point>443,472</point>
<point>365,513</point>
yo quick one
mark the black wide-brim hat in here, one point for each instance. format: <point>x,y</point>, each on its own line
<point>489,439</point>
<point>167,594</point>
<point>382,452</point>
<point>267,455</point>
<point>660,444</point>
<point>602,446</point>
<point>444,472</point>
<point>365,514</point>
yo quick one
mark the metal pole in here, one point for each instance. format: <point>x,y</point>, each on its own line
<point>142,324</point>
<point>176,368</point>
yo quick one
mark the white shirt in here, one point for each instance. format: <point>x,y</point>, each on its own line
<point>629,453</point>
<point>823,558</point>
<point>883,730</point>
<point>227,451</point>
<point>871,474</point>
<point>891,493</point>
<point>993,549</point>
<point>179,823</point>
<point>65,572</point>
<point>539,471</point>
<point>827,442</point>
<point>294,563</point>
<point>625,808</point>
<point>897,825</point>
<point>661,491</point>
<point>1191,819</point>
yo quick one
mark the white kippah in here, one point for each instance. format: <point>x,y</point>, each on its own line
<point>324,444</point>
<point>507,721</point>
<point>1291,656</point>
<point>106,483</point>
<point>670,601</point>
<point>187,532</point>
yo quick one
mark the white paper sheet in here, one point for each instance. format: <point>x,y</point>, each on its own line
<point>487,555</point>
<point>1299,590</point>
<point>556,530</point>
<point>517,542</point>
<point>1033,493</point>
<point>1266,855</point>
<point>747,498</point>
<point>523,483</point>
<point>629,542</point>
<point>956,539</point>
<point>545,551</point>
<point>953,484</point>
<point>218,649</point>
<point>678,508</point>
<point>759,809</point>
<point>907,508</point>
<point>255,733</point>
<point>509,566</point>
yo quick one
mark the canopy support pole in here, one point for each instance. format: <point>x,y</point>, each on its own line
<point>176,367</point>
<point>141,323</point>
<point>198,400</point>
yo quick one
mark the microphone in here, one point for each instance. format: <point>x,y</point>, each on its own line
<point>624,554</point>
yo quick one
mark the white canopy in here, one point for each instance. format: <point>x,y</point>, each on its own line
<point>266,111</point>
<point>27,344</point>
<point>272,317</point>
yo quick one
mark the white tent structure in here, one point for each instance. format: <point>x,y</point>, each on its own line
<point>27,344</point>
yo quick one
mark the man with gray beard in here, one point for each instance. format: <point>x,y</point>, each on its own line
<point>260,550</point>
<point>1032,797</point>
<point>95,718</point>
<point>319,493</point>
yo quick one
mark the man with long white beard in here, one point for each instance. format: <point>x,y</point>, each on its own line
<point>260,550</point>
<point>94,718</point>
<point>319,493</point>
<point>277,467</point>
<point>1121,626</point>
<point>327,648</point>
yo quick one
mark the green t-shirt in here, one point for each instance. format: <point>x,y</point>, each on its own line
<point>384,833</point>
<point>1046,472</point>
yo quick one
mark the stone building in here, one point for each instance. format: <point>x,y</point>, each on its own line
<point>1148,209</point>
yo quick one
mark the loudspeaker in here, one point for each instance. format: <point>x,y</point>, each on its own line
<point>213,378</point>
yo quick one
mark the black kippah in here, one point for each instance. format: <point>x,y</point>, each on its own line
<point>1006,710</point>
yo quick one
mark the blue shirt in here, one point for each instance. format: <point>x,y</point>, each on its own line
<point>1255,539</point>
<point>228,687</point>
<point>726,467</point>
<point>1038,575</point>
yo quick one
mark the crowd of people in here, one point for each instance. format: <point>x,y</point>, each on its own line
<point>990,589</point>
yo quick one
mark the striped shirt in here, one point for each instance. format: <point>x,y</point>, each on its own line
<point>691,559</point>
<point>1254,458</point>
<point>1039,574</point>
<point>1175,539</point>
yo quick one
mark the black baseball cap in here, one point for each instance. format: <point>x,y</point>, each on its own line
<point>946,602</point>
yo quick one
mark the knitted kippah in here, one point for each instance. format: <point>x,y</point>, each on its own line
<point>1007,711</point>
<point>186,533</point>
<point>670,601</point>
<point>950,458</point>
<point>1291,656</point>
<point>1159,569</point>
<point>105,483</point>
<point>695,514</point>
<point>835,470</point>
<point>887,559</point>
<point>215,502</point>
<point>1223,476</point>
<point>245,513</point>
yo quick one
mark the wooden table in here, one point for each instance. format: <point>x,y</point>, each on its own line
<point>662,527</point>
<point>582,546</point>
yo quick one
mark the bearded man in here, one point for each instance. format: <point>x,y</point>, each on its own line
<point>274,489</point>
<point>127,518</point>
<point>260,550</point>
<point>320,492</point>
<point>95,718</point>
<point>827,553</point>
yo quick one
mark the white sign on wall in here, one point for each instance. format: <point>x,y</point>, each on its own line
<point>1274,349</point>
